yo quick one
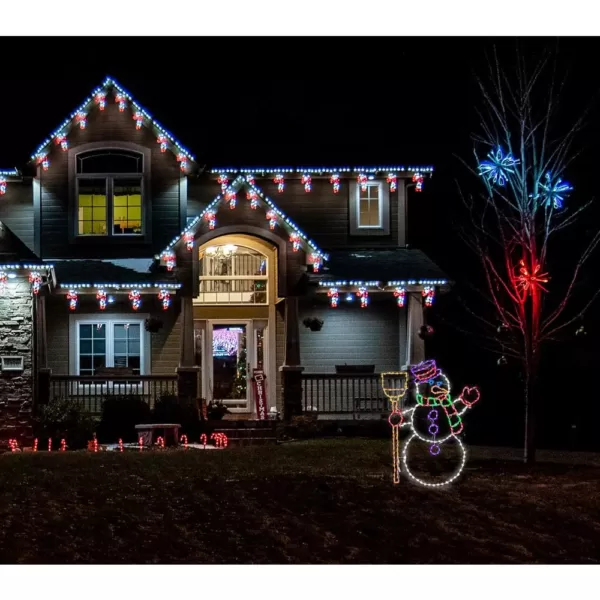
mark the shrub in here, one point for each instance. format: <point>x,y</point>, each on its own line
<point>120,415</point>
<point>65,418</point>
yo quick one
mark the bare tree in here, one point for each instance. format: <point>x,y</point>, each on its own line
<point>524,205</point>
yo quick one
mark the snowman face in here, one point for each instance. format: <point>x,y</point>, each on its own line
<point>434,391</point>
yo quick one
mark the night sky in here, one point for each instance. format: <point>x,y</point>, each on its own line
<point>305,101</point>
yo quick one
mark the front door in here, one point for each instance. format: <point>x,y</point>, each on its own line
<point>229,364</point>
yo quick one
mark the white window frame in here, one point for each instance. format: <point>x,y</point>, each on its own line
<point>109,320</point>
<point>383,227</point>
<point>379,186</point>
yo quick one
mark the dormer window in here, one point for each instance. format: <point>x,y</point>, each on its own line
<point>109,192</point>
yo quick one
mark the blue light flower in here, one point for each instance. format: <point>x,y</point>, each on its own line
<point>498,168</point>
<point>554,191</point>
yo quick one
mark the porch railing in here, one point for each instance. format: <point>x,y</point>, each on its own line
<point>352,395</point>
<point>92,391</point>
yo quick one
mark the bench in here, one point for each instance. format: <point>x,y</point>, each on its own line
<point>150,432</point>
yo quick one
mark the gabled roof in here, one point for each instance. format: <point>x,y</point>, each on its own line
<point>93,102</point>
<point>13,250</point>
<point>267,205</point>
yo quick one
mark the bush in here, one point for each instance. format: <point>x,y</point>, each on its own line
<point>171,409</point>
<point>65,418</point>
<point>120,415</point>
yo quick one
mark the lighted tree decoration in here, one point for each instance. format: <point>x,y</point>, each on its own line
<point>517,216</point>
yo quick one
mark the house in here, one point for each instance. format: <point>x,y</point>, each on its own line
<point>129,268</point>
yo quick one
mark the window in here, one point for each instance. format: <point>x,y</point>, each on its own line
<point>233,275</point>
<point>369,209</point>
<point>109,192</point>
<point>101,343</point>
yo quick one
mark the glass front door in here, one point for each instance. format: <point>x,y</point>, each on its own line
<point>229,365</point>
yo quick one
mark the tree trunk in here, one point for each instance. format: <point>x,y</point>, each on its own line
<point>531,411</point>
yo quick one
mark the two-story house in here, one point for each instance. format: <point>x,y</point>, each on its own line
<point>127,268</point>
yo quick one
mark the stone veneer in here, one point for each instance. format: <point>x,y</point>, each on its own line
<point>16,339</point>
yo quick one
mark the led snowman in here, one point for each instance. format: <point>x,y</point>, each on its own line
<point>436,418</point>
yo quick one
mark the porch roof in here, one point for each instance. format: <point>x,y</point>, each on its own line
<point>126,272</point>
<point>385,266</point>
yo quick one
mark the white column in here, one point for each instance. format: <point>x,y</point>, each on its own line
<point>415,347</point>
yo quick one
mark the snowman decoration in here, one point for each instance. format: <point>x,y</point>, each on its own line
<point>436,418</point>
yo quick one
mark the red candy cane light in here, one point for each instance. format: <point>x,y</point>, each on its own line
<point>295,239</point>
<point>363,294</point>
<point>72,298</point>
<point>334,297</point>
<point>188,237</point>
<point>165,297</point>
<point>335,182</point>
<point>280,181</point>
<point>184,441</point>
<point>400,294</point>
<point>136,299</point>
<point>362,180</point>
<point>101,297</point>
<point>307,182</point>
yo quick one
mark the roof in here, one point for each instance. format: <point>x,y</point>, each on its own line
<point>118,273</point>
<point>323,170</point>
<point>12,249</point>
<point>388,266</point>
<point>95,101</point>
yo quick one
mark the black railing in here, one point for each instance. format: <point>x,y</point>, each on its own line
<point>92,391</point>
<point>349,394</point>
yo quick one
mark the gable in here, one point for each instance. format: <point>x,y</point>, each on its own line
<point>12,249</point>
<point>111,91</point>
<point>274,218</point>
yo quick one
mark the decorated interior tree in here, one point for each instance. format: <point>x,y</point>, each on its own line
<point>522,152</point>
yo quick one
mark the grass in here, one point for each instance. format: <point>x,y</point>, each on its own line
<point>308,502</point>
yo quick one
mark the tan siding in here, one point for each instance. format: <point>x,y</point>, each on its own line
<point>57,335</point>
<point>166,344</point>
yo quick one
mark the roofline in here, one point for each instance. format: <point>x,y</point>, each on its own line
<point>323,170</point>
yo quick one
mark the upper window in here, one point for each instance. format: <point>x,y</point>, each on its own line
<point>109,192</point>
<point>232,275</point>
<point>369,206</point>
<point>369,209</point>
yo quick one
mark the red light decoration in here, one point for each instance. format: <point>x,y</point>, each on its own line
<point>72,298</point>
<point>165,297</point>
<point>280,181</point>
<point>63,445</point>
<point>35,279</point>
<point>42,159</point>
<point>136,299</point>
<point>160,442</point>
<point>120,444</point>
<point>317,262</point>
<point>138,117</point>
<point>61,140</point>
<point>400,294</point>
<point>393,181</point>
<point>362,180</point>
<point>170,260</point>
<point>49,444</point>
<point>3,282</point>
<point>250,179</point>
<point>2,186</point>
<point>101,297</point>
<point>271,216</point>
<point>95,444</point>
<point>141,443</point>
<point>220,439</point>
<point>334,180</point>
<point>253,197</point>
<point>528,279</point>
<point>163,142</point>
<point>231,197</point>
<point>184,441</point>
<point>182,160</point>
<point>13,445</point>
<point>429,294</point>
<point>81,118</point>
<point>307,182</point>
<point>188,237</point>
<point>211,218</point>
<point>418,180</point>
<point>295,239</point>
<point>203,440</point>
<point>121,100</point>
<point>101,100</point>
<point>223,180</point>
<point>35,445</point>
<point>363,294</point>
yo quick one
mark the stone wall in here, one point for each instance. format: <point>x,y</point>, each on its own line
<point>16,339</point>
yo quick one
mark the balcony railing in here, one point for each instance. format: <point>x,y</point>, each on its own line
<point>349,395</point>
<point>92,391</point>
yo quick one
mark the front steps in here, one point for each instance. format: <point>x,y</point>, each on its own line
<point>247,432</point>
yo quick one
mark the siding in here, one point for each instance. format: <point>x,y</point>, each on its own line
<point>164,345</point>
<point>16,210</point>
<point>279,352</point>
<point>352,335</point>
<point>322,215</point>
<point>109,125</point>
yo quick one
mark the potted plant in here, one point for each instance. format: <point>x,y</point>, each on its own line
<point>313,323</point>
<point>216,410</point>
<point>153,324</point>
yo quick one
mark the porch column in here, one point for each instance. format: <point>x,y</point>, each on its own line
<point>187,372</point>
<point>415,347</point>
<point>291,371</point>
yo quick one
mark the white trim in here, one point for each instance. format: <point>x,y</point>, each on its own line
<point>108,319</point>
<point>379,185</point>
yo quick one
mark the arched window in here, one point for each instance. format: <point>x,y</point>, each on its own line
<point>109,192</point>
<point>232,274</point>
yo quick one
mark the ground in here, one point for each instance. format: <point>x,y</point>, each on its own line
<point>305,502</point>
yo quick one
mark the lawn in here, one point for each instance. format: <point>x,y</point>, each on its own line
<point>307,502</point>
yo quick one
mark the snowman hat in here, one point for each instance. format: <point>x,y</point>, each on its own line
<point>424,371</point>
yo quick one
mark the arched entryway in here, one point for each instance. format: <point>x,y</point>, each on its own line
<point>234,320</point>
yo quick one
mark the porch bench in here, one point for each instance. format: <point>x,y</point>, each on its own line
<point>150,432</point>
